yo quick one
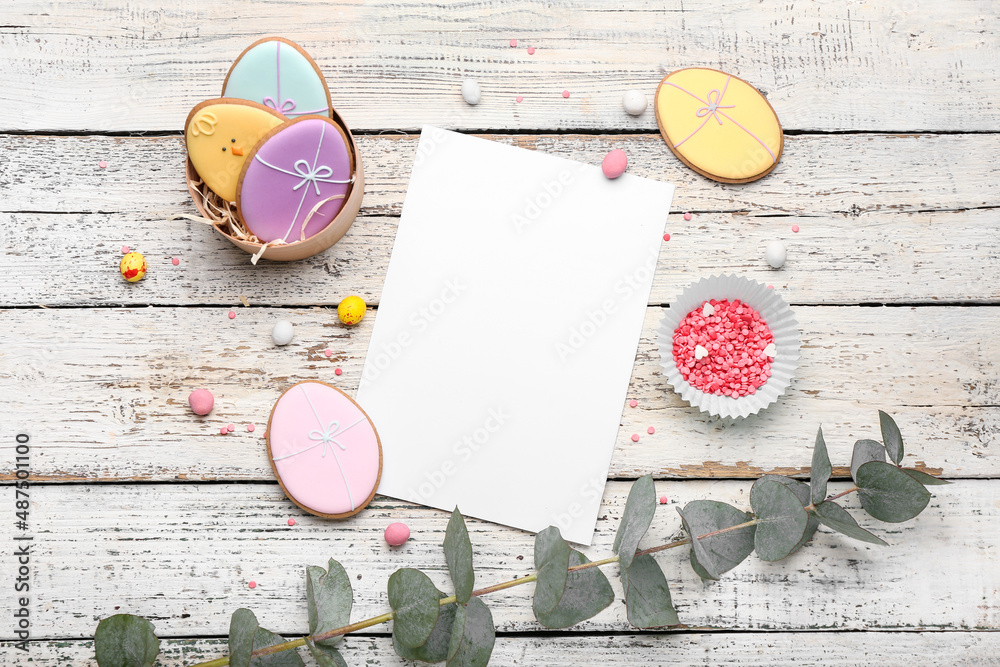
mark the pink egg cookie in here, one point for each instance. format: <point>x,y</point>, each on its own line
<point>295,180</point>
<point>324,450</point>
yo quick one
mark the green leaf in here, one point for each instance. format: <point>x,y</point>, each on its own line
<point>551,563</point>
<point>587,593</point>
<point>865,451</point>
<point>264,638</point>
<point>124,640</point>
<point>435,649</point>
<point>781,519</point>
<point>924,478</point>
<point>712,556</point>
<point>821,469</point>
<point>888,493</point>
<point>242,628</point>
<point>892,438</point>
<point>458,553</point>
<point>472,636</point>
<point>325,656</point>
<point>834,516</point>
<point>639,509</point>
<point>329,598</point>
<point>647,596</point>
<point>414,599</point>
<point>802,492</point>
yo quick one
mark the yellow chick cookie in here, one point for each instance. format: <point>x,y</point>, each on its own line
<point>351,310</point>
<point>219,134</point>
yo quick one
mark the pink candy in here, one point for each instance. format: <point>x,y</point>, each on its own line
<point>735,336</point>
<point>396,534</point>
<point>635,437</point>
<point>615,163</point>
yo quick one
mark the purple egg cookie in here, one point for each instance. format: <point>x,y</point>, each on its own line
<point>295,180</point>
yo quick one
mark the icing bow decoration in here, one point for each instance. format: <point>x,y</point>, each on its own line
<point>712,109</point>
<point>320,173</point>
<point>326,436</point>
<point>285,107</point>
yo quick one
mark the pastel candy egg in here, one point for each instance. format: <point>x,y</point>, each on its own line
<point>471,92</point>
<point>201,401</point>
<point>282,332</point>
<point>351,310</point>
<point>324,450</point>
<point>220,134</point>
<point>718,124</point>
<point>279,74</point>
<point>615,163</point>
<point>775,254</point>
<point>635,102</point>
<point>133,267</point>
<point>396,534</point>
<point>296,180</point>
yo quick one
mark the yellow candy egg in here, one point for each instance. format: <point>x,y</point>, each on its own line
<point>351,310</point>
<point>219,135</point>
<point>133,267</point>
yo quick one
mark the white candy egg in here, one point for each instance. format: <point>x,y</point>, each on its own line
<point>634,102</point>
<point>775,254</point>
<point>282,332</point>
<point>470,92</point>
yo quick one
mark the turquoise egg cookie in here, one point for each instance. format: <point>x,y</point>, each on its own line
<point>279,74</point>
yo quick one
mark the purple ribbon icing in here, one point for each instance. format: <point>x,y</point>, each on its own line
<point>712,110</point>
<point>285,107</point>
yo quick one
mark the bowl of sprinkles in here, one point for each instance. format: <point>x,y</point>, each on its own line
<point>729,346</point>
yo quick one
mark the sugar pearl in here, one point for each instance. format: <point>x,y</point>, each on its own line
<point>635,102</point>
<point>615,163</point>
<point>282,333</point>
<point>775,254</point>
<point>471,92</point>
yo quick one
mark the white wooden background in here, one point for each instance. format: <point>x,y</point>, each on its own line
<point>892,119</point>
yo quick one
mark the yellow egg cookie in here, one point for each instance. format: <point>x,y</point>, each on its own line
<point>718,124</point>
<point>219,134</point>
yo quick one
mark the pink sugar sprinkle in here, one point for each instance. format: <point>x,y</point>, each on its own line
<point>232,315</point>
<point>687,216</point>
<point>513,43</point>
<point>635,437</point>
<point>666,237</point>
<point>338,371</point>
<point>531,50</point>
<point>651,430</point>
<point>175,261</point>
<point>328,352</point>
<point>252,584</point>
<point>231,427</point>
<point>770,287</point>
<point>735,336</point>
<point>223,430</point>
<point>291,522</point>
<point>565,93</point>
<point>633,403</point>
<point>518,99</point>
<point>795,228</point>
<point>663,500</point>
<point>102,164</point>
<point>125,250</point>
<point>251,427</point>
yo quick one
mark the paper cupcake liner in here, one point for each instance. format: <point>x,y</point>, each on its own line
<point>779,319</point>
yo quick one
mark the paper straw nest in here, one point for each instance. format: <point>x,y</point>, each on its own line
<point>779,319</point>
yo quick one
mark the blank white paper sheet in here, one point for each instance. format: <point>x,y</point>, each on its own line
<point>504,341</point>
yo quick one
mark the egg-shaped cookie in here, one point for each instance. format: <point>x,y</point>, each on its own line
<point>296,180</point>
<point>324,450</point>
<point>279,74</point>
<point>718,124</point>
<point>220,134</point>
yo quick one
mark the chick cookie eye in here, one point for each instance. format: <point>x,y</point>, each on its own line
<point>233,140</point>
<point>223,149</point>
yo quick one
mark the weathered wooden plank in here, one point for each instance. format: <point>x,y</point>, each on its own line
<point>103,392</point>
<point>819,174</point>
<point>844,649</point>
<point>183,554</point>
<point>114,65</point>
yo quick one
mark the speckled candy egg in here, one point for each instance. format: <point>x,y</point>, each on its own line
<point>351,310</point>
<point>133,267</point>
<point>279,74</point>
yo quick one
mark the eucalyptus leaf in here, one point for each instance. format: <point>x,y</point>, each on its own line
<point>458,553</point>
<point>414,601</point>
<point>802,492</point>
<point>888,493</point>
<point>647,596</point>
<point>473,636</point>
<point>325,656</point>
<point>821,469</point>
<point>924,478</point>
<point>834,516</point>
<point>639,510</point>
<point>329,598</point>
<point>712,556</point>
<point>551,564</point>
<point>587,593</point>
<point>781,519</point>
<point>124,640</point>
<point>242,629</point>
<point>435,649</point>
<point>865,451</point>
<point>264,638</point>
<point>892,438</point>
